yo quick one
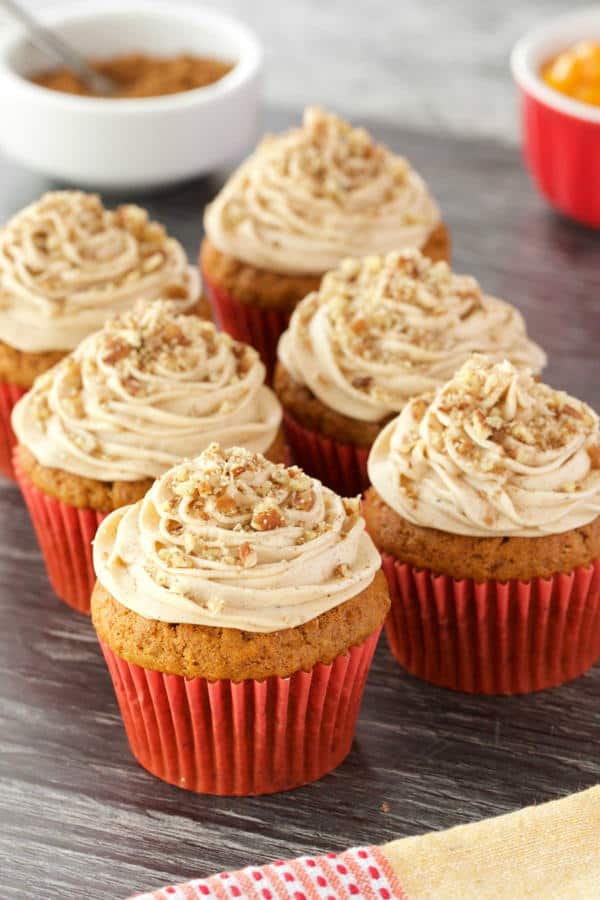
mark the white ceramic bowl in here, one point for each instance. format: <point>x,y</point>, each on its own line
<point>137,143</point>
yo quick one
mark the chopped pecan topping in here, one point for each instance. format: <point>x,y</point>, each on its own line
<point>248,556</point>
<point>174,527</point>
<point>362,382</point>
<point>173,334</point>
<point>267,517</point>
<point>117,350</point>
<point>132,385</point>
<point>492,412</point>
<point>243,494</point>
<point>176,292</point>
<point>225,504</point>
<point>571,411</point>
<point>359,326</point>
<point>303,500</point>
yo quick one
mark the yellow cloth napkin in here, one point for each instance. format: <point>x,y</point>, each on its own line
<point>550,852</point>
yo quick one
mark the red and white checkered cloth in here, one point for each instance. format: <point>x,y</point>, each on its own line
<point>363,872</point>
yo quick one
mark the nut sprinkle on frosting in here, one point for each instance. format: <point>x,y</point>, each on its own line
<point>66,263</point>
<point>152,387</point>
<point>232,540</point>
<point>493,452</point>
<point>383,329</point>
<point>309,197</point>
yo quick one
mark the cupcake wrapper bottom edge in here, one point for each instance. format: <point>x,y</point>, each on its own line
<point>65,534</point>
<point>242,738</point>
<point>493,637</point>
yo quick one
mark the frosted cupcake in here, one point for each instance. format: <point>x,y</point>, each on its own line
<point>305,200</point>
<point>152,387</point>
<point>379,331</point>
<point>486,506</point>
<point>238,606</point>
<point>66,264</point>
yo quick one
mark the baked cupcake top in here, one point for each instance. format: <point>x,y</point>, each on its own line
<point>232,540</point>
<point>309,197</point>
<point>492,453</point>
<point>152,387</point>
<point>66,263</point>
<point>383,329</point>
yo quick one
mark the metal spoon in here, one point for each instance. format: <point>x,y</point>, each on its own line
<point>51,43</point>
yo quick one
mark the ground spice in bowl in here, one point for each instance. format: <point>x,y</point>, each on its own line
<point>140,75</point>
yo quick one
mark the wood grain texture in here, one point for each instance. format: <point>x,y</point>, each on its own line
<point>81,819</point>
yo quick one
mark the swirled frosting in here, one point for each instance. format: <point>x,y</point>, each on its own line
<point>492,452</point>
<point>234,541</point>
<point>66,263</point>
<point>316,194</point>
<point>385,328</point>
<point>153,387</point>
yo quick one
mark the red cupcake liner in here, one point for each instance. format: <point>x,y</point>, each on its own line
<point>65,534</point>
<point>259,327</point>
<point>494,637</point>
<point>342,467</point>
<point>244,738</point>
<point>9,394</point>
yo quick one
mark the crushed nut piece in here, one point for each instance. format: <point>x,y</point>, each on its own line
<point>248,556</point>
<point>267,516</point>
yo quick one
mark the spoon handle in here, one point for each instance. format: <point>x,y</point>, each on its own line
<point>54,45</point>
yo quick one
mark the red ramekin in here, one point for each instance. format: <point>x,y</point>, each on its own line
<point>561,136</point>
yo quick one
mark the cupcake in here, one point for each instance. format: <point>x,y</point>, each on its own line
<point>66,263</point>
<point>486,506</point>
<point>238,606</point>
<point>153,387</point>
<point>297,207</point>
<point>378,332</point>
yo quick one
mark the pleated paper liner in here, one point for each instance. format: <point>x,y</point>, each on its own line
<point>342,467</point>
<point>9,394</point>
<point>259,327</point>
<point>494,637</point>
<point>65,534</point>
<point>244,738</point>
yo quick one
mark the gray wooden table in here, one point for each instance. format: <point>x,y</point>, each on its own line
<point>79,818</point>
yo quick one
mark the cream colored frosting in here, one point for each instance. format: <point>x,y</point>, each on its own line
<point>66,263</point>
<point>492,452</point>
<point>385,328</point>
<point>150,389</point>
<point>234,541</point>
<point>316,194</point>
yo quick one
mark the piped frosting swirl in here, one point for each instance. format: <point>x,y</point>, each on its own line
<point>66,263</point>
<point>385,328</point>
<point>491,453</point>
<point>153,387</point>
<point>316,194</point>
<point>232,540</point>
